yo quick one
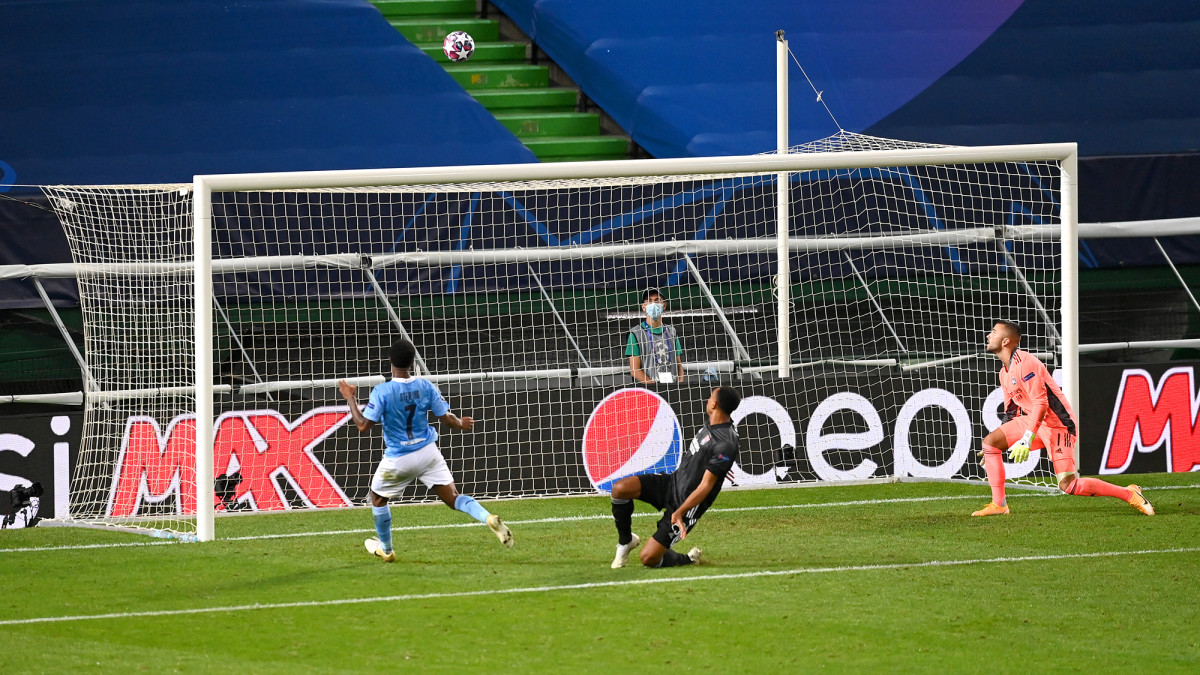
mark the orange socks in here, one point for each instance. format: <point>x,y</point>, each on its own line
<point>993,463</point>
<point>1093,487</point>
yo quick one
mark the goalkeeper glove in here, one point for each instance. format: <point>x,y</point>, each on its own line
<point>1020,452</point>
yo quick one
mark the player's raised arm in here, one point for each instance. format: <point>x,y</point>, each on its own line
<point>350,393</point>
<point>451,420</point>
<point>441,410</point>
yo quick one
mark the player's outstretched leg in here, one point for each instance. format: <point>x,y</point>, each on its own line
<point>694,555</point>
<point>501,530</point>
<point>993,464</point>
<point>467,504</point>
<point>1094,487</point>
<point>1139,501</point>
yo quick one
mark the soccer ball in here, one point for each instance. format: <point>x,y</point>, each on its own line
<point>458,46</point>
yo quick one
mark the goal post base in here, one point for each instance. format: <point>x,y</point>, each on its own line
<point>184,537</point>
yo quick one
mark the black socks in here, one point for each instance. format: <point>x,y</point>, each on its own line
<point>622,510</point>
<point>674,559</point>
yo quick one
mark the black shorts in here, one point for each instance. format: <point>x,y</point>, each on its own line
<point>656,491</point>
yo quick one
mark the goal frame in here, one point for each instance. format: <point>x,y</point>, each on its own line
<point>203,186</point>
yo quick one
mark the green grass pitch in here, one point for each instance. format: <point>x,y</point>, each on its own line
<point>888,577</point>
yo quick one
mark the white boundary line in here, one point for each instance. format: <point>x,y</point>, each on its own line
<point>560,519</point>
<point>590,585</point>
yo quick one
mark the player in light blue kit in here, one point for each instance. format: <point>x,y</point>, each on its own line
<point>402,405</point>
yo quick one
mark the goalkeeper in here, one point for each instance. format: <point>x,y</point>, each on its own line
<point>402,405</point>
<point>1037,415</point>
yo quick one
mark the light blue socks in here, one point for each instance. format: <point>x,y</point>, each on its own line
<point>383,518</point>
<point>469,506</point>
<point>383,525</point>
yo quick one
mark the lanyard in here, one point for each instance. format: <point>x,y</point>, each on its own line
<point>650,337</point>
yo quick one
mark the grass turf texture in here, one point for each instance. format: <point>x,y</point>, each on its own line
<point>831,609</point>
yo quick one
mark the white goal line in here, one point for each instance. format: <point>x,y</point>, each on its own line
<point>165,541</point>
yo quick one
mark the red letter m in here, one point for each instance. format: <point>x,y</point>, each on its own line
<point>151,468</point>
<point>1146,417</point>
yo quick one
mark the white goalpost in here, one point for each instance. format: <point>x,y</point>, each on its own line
<point>220,315</point>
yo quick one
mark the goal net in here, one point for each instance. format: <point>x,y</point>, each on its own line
<point>856,334</point>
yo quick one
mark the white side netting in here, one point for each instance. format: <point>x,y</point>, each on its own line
<point>520,297</point>
<point>132,247</point>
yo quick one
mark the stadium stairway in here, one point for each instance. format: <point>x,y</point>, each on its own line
<point>527,97</point>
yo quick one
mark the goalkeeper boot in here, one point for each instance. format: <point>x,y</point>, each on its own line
<point>694,554</point>
<point>1139,502</point>
<point>623,552</point>
<point>992,510</point>
<point>500,529</point>
<point>376,549</point>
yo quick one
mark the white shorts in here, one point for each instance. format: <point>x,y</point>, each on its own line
<point>396,473</point>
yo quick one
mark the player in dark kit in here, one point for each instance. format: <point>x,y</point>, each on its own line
<point>685,494</point>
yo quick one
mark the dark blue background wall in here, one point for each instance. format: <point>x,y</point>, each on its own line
<point>129,91</point>
<point>698,78</point>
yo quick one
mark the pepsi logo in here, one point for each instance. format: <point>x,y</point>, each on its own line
<point>631,431</point>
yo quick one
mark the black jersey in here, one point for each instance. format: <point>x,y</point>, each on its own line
<point>715,449</point>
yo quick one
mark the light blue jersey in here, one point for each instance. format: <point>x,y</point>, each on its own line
<point>402,407</point>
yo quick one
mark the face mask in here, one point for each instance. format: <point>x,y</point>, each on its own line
<point>654,310</point>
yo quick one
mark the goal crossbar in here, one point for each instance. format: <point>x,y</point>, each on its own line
<point>698,166</point>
